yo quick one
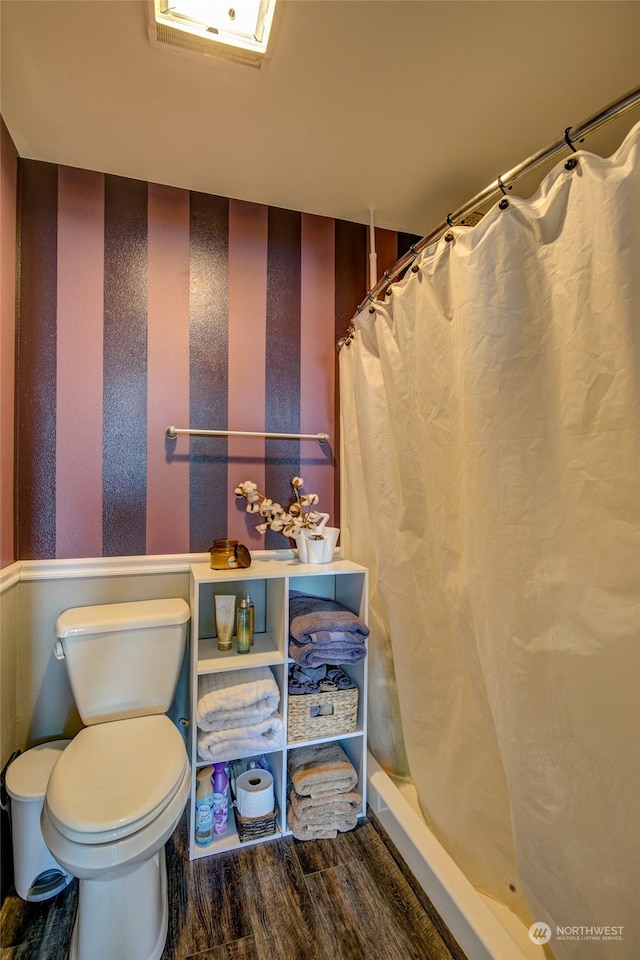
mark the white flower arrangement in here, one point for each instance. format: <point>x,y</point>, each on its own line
<point>290,521</point>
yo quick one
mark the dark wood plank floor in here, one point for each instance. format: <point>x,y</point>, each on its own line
<point>351,898</point>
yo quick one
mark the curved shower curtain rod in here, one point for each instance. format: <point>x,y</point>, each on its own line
<point>570,136</point>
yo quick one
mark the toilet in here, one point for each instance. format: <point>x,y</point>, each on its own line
<point>118,790</point>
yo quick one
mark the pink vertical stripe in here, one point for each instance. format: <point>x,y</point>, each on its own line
<point>167,369</point>
<point>318,357</point>
<point>247,358</point>
<point>79,363</point>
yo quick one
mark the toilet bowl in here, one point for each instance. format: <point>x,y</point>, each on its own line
<point>109,810</point>
<point>118,791</point>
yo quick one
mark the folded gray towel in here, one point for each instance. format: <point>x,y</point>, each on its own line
<point>319,810</point>
<point>321,770</point>
<point>313,673</point>
<point>332,679</point>
<point>347,648</point>
<point>303,829</point>
<point>310,615</point>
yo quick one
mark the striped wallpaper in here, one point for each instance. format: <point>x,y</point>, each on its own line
<point>8,195</point>
<point>142,306</point>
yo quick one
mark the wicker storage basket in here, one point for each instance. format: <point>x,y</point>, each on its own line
<point>250,828</point>
<point>253,828</point>
<point>337,713</point>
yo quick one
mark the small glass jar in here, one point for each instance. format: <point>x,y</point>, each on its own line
<point>228,555</point>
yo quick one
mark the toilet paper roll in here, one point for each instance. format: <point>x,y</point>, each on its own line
<point>254,793</point>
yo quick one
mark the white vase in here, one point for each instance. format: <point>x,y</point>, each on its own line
<point>331,535</point>
<point>321,524</point>
<point>315,547</point>
<point>311,550</point>
<point>301,544</point>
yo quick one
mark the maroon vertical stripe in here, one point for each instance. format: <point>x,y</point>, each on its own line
<point>351,272</point>
<point>405,242</point>
<point>317,356</point>
<point>80,362</point>
<point>8,264</point>
<point>208,363</point>
<point>36,362</point>
<point>387,250</point>
<point>351,288</point>
<point>248,223</point>
<point>124,475</point>
<point>282,381</point>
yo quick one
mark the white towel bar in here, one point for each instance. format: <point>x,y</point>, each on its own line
<point>173,432</point>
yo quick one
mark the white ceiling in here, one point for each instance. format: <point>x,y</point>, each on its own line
<point>406,108</point>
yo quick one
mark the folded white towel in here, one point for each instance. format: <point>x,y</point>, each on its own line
<point>236,698</point>
<point>234,743</point>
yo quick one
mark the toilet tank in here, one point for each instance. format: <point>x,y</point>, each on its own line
<point>123,659</point>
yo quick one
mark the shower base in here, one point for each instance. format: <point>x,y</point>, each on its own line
<point>484,928</point>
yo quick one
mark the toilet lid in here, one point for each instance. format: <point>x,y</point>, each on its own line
<point>115,777</point>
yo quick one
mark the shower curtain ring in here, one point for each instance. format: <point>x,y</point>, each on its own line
<point>449,220</point>
<point>568,140</point>
<point>502,186</point>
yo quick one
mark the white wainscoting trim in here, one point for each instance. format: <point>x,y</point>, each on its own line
<point>87,567</point>
<point>9,576</point>
<point>108,566</point>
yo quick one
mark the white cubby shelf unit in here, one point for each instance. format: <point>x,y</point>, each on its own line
<point>268,581</point>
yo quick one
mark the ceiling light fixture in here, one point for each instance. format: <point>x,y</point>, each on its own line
<point>235,30</point>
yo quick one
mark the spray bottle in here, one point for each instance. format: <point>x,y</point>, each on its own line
<point>243,631</point>
<point>220,798</point>
<point>204,807</point>
<point>252,616</point>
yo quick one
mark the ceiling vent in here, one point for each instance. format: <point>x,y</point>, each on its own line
<point>470,220</point>
<point>236,31</point>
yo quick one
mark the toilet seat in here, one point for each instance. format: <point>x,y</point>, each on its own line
<point>114,778</point>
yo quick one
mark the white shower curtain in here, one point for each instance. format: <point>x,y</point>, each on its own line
<point>491,451</point>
